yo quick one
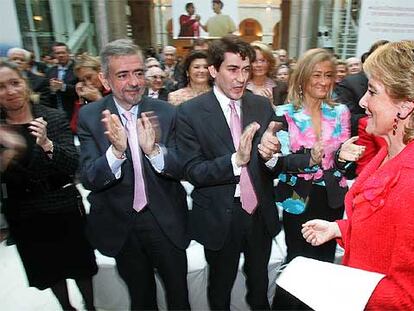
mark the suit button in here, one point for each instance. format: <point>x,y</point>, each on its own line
<point>228,210</point>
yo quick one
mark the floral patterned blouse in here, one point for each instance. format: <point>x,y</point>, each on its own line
<point>335,129</point>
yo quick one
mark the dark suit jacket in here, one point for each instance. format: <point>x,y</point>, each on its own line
<point>68,96</point>
<point>111,215</point>
<point>206,146</point>
<point>349,91</point>
<point>34,181</point>
<point>162,94</point>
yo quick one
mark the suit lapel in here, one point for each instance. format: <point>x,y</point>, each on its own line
<point>248,111</point>
<point>214,118</point>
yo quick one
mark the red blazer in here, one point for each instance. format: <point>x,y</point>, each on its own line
<point>372,143</point>
<point>379,232</point>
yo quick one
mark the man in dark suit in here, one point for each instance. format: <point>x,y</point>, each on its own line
<point>62,80</point>
<point>154,78</point>
<point>138,209</point>
<point>349,91</point>
<point>233,205</point>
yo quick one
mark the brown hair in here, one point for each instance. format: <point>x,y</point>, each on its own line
<point>267,54</point>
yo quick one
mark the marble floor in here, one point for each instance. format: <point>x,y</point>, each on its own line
<point>16,295</point>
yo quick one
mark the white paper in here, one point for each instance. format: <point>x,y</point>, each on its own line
<point>326,286</point>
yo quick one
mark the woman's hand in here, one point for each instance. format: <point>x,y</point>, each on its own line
<point>317,231</point>
<point>267,93</point>
<point>316,154</point>
<point>89,93</point>
<point>13,146</point>
<point>38,128</point>
<point>350,151</point>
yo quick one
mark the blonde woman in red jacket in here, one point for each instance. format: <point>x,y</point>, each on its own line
<point>378,235</point>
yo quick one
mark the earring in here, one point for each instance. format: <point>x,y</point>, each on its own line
<point>300,92</point>
<point>395,124</point>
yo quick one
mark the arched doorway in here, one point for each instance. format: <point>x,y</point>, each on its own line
<point>250,30</point>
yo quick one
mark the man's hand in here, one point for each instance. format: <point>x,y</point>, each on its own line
<point>149,133</point>
<point>269,144</point>
<point>245,145</point>
<point>55,85</point>
<point>115,133</point>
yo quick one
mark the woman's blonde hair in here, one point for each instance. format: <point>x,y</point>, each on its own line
<point>302,73</point>
<point>267,54</point>
<point>87,61</point>
<point>393,65</point>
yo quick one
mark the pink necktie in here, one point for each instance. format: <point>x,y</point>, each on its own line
<point>140,199</point>
<point>247,194</point>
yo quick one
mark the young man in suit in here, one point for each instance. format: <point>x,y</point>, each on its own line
<point>62,80</point>
<point>233,204</point>
<point>138,206</point>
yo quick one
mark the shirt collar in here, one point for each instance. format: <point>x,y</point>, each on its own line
<point>224,100</point>
<point>121,110</point>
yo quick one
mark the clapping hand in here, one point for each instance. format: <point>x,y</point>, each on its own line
<point>12,144</point>
<point>316,154</point>
<point>245,146</point>
<point>269,144</point>
<point>149,133</point>
<point>38,128</point>
<point>115,132</point>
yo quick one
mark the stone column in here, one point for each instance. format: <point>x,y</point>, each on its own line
<point>117,19</point>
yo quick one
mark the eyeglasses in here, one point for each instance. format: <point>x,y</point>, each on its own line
<point>260,61</point>
<point>156,77</point>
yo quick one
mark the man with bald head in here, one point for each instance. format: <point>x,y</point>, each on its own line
<point>354,65</point>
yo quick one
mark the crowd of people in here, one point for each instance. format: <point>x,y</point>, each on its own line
<point>231,118</point>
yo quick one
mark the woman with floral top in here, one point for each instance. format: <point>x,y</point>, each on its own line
<point>315,147</point>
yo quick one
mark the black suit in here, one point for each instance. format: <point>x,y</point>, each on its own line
<point>162,93</point>
<point>116,229</point>
<point>217,219</point>
<point>68,96</point>
<point>349,91</point>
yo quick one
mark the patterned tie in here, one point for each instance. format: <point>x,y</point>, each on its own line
<point>247,194</point>
<point>140,199</point>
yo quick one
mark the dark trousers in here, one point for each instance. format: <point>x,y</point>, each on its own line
<point>297,246</point>
<point>247,234</point>
<point>146,249</point>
